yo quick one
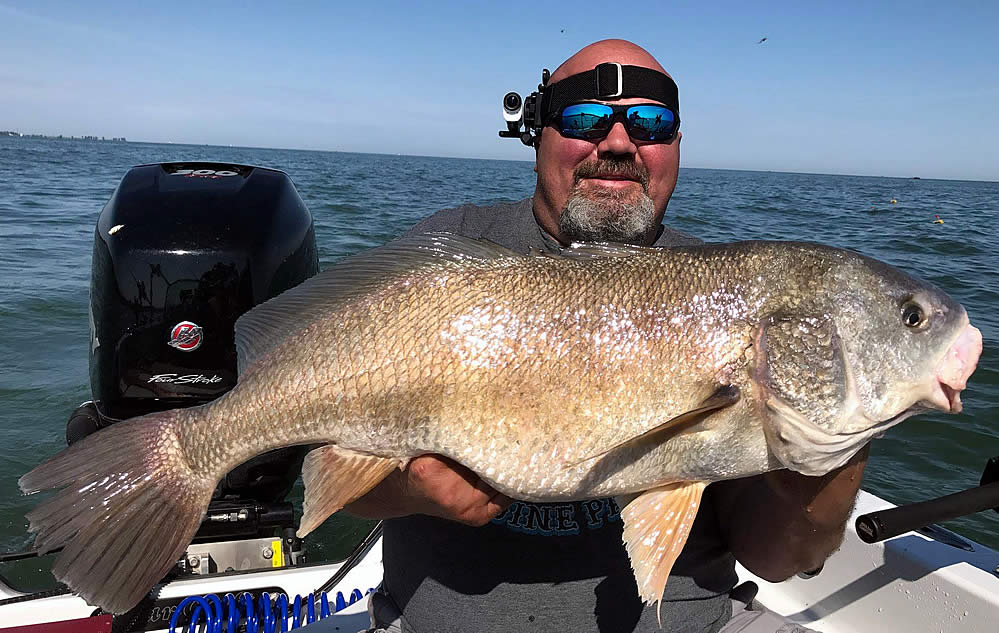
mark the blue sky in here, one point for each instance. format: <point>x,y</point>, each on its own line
<point>892,89</point>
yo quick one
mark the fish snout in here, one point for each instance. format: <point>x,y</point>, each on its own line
<point>956,367</point>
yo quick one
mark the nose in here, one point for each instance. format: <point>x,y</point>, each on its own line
<point>617,142</point>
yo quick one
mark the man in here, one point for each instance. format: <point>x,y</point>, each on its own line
<point>461,557</point>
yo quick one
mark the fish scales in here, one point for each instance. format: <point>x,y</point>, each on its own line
<point>506,354</point>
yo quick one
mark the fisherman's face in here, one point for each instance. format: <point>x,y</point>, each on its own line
<point>614,189</point>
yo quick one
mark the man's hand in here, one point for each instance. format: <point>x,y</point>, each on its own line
<point>782,522</point>
<point>436,486</point>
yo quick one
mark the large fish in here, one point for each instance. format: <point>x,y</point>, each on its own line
<point>616,370</point>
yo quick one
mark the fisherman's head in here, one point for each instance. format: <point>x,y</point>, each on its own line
<point>611,188</point>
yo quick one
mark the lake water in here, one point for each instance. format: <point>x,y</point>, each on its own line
<point>51,192</point>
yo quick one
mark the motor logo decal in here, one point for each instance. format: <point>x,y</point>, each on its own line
<point>204,173</point>
<point>187,379</point>
<point>186,336</point>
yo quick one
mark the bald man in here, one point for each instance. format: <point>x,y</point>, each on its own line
<point>460,557</point>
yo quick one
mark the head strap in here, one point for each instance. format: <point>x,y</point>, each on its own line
<point>609,80</point>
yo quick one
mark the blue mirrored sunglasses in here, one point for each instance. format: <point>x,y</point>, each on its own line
<point>644,121</point>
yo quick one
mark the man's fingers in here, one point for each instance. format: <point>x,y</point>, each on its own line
<point>436,486</point>
<point>494,501</point>
<point>452,491</point>
<point>497,504</point>
<point>484,505</point>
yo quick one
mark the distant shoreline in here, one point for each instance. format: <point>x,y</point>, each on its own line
<point>61,137</point>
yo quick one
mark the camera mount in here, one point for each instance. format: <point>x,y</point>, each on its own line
<point>526,117</point>
<point>523,113</point>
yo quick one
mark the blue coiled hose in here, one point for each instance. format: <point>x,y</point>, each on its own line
<point>260,616</point>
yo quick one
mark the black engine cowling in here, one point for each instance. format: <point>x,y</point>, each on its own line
<point>181,250</point>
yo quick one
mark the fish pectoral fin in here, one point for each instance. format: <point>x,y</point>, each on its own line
<point>724,396</point>
<point>656,525</point>
<point>334,477</point>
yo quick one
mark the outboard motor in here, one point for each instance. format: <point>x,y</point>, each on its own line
<point>181,250</point>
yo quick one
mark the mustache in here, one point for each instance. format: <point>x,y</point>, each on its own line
<point>609,167</point>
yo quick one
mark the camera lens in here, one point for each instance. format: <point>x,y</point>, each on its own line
<point>511,101</point>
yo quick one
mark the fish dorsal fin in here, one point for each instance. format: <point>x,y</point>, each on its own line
<point>724,396</point>
<point>269,323</point>
<point>656,525</point>
<point>606,249</point>
<point>334,477</point>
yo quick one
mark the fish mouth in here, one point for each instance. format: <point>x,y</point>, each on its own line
<point>952,372</point>
<point>945,398</point>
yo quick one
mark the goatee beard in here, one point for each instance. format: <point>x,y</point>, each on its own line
<point>608,215</point>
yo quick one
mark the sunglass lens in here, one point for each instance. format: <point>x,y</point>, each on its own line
<point>651,123</point>
<point>586,120</point>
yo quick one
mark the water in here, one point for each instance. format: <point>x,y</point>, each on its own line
<point>51,192</point>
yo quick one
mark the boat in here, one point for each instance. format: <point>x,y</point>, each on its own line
<point>245,568</point>
<point>923,581</point>
<point>326,592</point>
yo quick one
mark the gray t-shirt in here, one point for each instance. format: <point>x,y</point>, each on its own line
<point>545,567</point>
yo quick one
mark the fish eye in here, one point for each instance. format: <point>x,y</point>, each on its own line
<point>913,315</point>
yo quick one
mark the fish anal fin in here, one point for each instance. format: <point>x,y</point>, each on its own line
<point>334,477</point>
<point>724,396</point>
<point>656,525</point>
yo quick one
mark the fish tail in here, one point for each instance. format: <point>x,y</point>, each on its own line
<point>130,504</point>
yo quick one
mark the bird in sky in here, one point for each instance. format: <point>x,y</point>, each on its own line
<point>762,40</point>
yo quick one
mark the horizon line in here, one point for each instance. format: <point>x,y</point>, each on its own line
<point>512,160</point>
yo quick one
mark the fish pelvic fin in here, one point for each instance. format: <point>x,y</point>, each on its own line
<point>334,477</point>
<point>724,396</point>
<point>129,507</point>
<point>656,525</point>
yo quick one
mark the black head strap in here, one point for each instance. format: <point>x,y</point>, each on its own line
<point>609,81</point>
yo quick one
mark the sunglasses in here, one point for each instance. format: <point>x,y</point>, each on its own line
<point>644,121</point>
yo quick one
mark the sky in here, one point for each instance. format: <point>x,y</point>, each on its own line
<point>870,88</point>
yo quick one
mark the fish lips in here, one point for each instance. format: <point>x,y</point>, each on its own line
<point>952,372</point>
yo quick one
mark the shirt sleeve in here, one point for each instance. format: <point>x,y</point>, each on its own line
<point>449,220</point>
